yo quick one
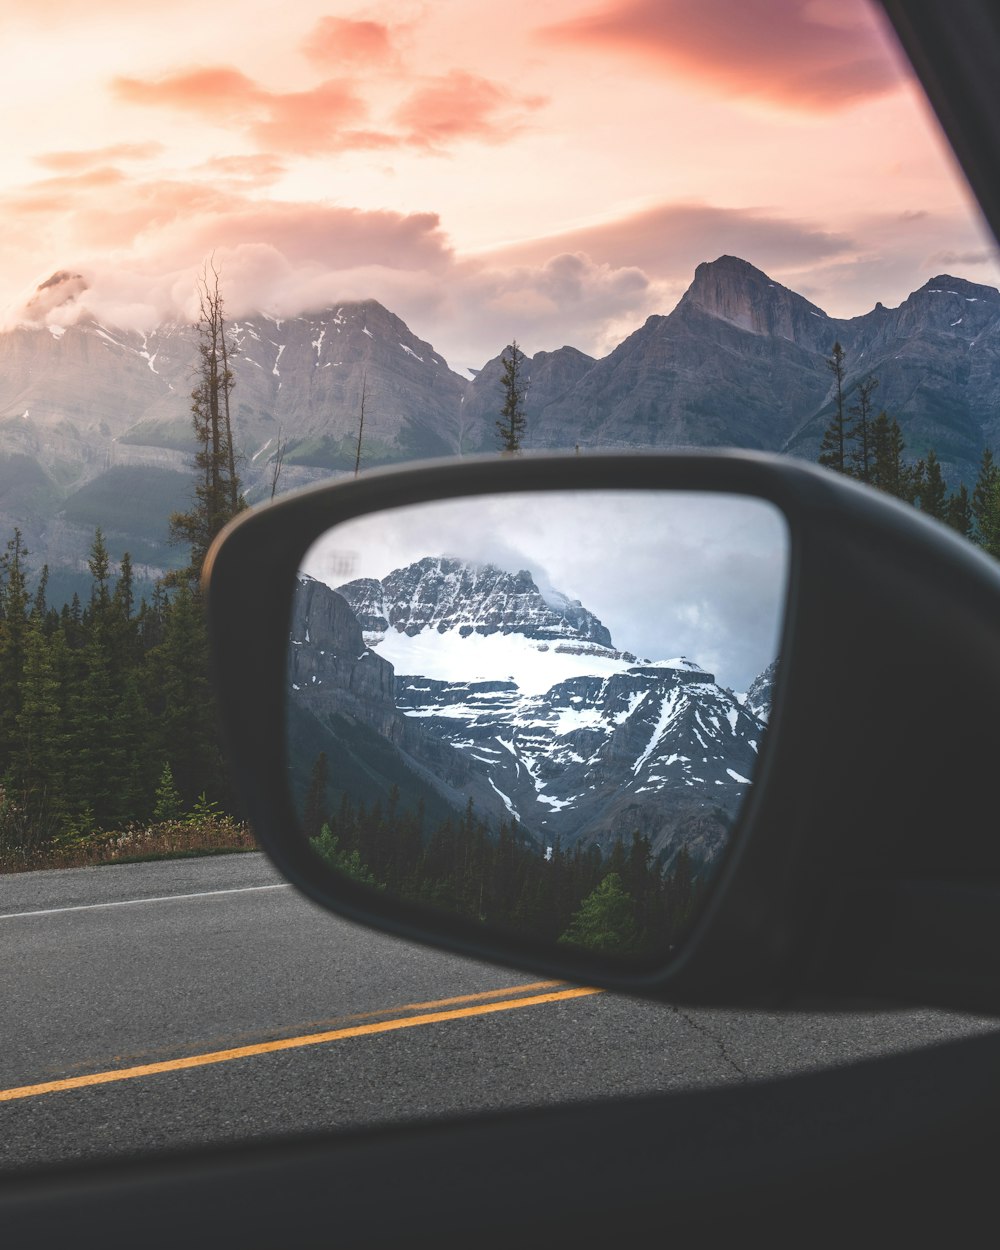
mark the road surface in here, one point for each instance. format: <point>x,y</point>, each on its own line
<point>153,1006</point>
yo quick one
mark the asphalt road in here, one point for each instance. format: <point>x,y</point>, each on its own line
<point>107,970</point>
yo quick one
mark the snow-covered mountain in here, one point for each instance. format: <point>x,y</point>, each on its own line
<point>760,696</point>
<point>576,739</point>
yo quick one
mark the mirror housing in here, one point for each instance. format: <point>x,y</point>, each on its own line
<point>861,868</point>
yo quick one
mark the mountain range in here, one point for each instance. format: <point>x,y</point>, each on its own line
<point>95,424</point>
<point>456,681</point>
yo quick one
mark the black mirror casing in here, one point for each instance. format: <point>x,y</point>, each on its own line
<point>861,867</point>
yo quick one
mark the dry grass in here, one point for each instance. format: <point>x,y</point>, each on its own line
<point>172,839</point>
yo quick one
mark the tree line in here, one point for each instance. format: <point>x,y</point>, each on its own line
<point>106,707</point>
<point>106,714</point>
<point>623,902</point>
<point>868,446</point>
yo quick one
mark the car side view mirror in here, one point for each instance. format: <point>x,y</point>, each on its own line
<point>696,726</point>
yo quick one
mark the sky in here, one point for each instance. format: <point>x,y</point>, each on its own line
<point>489,171</point>
<point>688,574</point>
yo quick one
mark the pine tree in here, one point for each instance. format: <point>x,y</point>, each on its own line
<point>605,920</point>
<point>680,891</point>
<point>94,771</point>
<point>512,423</point>
<point>314,808</point>
<point>958,512</point>
<point>218,495</point>
<point>933,493</point>
<point>862,433</point>
<point>833,449</point>
<point>14,613</point>
<point>39,606</point>
<point>135,775</point>
<point>890,473</point>
<point>986,505</point>
<point>39,759</point>
<point>168,804</point>
<point>179,697</point>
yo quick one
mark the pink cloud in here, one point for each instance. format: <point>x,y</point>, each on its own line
<point>673,238</point>
<point>214,92</point>
<point>87,158</point>
<point>950,257</point>
<point>459,105</point>
<point>51,196</point>
<point>342,40</point>
<point>818,55</point>
<point>323,118</point>
<point>257,168</point>
<point>316,120</point>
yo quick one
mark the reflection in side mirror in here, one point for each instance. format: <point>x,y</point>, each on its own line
<point>542,711</point>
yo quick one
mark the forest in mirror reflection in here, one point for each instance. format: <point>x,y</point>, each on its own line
<point>540,711</point>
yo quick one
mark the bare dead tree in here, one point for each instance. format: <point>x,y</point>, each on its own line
<point>218,494</point>
<point>361,423</point>
<point>277,461</point>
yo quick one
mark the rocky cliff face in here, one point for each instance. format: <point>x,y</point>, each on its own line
<point>327,653</point>
<point>335,676</point>
<point>448,594</point>
<point>760,697</point>
<point>732,290</point>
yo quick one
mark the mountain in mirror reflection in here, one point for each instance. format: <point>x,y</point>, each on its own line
<point>471,681</point>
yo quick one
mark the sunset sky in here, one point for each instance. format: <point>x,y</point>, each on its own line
<point>547,171</point>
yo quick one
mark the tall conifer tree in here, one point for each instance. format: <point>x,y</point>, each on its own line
<point>933,493</point>
<point>862,431</point>
<point>833,449</point>
<point>512,423</point>
<point>986,505</point>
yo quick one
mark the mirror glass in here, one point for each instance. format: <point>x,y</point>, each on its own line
<point>542,711</point>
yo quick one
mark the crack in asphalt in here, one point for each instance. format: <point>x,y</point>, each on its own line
<point>717,1041</point>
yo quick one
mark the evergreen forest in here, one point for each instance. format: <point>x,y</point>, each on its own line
<point>621,904</point>
<point>107,717</point>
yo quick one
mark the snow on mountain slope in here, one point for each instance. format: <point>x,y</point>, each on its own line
<point>578,739</point>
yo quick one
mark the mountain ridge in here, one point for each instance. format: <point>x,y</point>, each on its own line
<point>739,361</point>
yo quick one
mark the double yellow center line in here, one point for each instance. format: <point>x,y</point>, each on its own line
<point>436,1012</point>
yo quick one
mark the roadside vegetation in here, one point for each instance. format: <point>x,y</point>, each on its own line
<point>167,839</point>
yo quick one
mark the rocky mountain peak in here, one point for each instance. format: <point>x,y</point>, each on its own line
<point>63,287</point>
<point>444,593</point>
<point>949,303</point>
<point>735,291</point>
<point>948,284</point>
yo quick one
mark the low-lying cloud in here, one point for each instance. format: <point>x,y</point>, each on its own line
<point>139,249</point>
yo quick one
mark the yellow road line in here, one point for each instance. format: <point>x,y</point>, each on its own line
<point>292,1043</point>
<point>466,998</point>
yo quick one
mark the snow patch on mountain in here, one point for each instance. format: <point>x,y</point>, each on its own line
<point>534,667</point>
